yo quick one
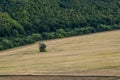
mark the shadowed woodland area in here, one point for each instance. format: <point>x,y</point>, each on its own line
<point>27,21</point>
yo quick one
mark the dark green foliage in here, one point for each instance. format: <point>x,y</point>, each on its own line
<point>26,21</point>
<point>36,37</point>
<point>9,27</point>
<point>42,47</point>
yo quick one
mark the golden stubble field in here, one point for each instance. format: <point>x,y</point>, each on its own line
<point>94,54</point>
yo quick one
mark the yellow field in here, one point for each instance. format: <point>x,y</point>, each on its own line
<point>94,54</point>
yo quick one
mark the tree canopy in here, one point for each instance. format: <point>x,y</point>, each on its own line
<point>26,21</point>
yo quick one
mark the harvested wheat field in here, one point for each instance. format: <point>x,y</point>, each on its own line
<point>94,54</point>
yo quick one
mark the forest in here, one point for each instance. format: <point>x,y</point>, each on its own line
<point>27,21</point>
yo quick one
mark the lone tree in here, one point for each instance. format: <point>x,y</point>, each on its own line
<point>42,47</point>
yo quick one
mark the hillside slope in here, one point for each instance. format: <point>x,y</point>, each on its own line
<point>26,21</point>
<point>95,54</point>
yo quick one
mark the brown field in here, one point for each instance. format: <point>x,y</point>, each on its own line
<point>94,54</point>
<point>58,77</point>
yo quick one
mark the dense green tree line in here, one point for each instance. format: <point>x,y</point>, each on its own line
<point>26,21</point>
